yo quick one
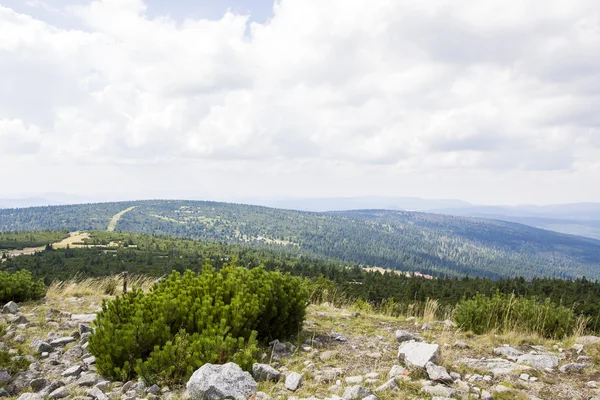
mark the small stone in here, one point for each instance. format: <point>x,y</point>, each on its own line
<point>372,375</point>
<point>63,341</point>
<point>437,373</point>
<point>264,372</point>
<point>39,384</point>
<point>591,384</point>
<point>397,370</point>
<point>405,336</point>
<point>459,344</point>
<point>96,394</point>
<point>328,355</point>
<point>524,377</point>
<point>153,389</point>
<point>73,371</point>
<point>59,393</point>
<point>30,396</point>
<point>293,381</point>
<point>389,385</point>
<point>573,367</point>
<point>353,380</point>
<point>89,360</point>
<point>417,355</point>
<point>356,392</point>
<point>439,390</point>
<point>4,377</point>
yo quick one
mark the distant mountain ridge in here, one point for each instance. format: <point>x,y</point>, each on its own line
<point>409,241</point>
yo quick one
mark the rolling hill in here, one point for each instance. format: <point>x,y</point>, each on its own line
<point>407,241</point>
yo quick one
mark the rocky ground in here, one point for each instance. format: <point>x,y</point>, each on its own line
<point>339,354</point>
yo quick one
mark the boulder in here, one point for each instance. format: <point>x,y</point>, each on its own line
<point>264,372</point>
<point>212,382</point>
<point>437,373</point>
<point>293,381</point>
<point>10,308</point>
<point>405,336</point>
<point>538,360</point>
<point>417,355</point>
<point>356,392</point>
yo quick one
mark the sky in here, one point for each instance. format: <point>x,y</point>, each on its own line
<point>489,102</point>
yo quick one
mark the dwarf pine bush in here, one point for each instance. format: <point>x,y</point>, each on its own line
<point>189,320</point>
<point>20,286</point>
<point>503,313</point>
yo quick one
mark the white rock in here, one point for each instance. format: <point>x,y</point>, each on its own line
<point>417,355</point>
<point>211,382</point>
<point>293,381</point>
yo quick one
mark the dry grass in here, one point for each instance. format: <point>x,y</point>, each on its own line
<point>101,286</point>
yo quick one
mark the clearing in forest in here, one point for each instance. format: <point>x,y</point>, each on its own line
<point>115,219</point>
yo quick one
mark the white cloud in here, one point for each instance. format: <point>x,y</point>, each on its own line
<point>391,88</point>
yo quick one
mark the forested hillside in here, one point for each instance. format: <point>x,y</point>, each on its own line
<point>110,253</point>
<point>406,241</point>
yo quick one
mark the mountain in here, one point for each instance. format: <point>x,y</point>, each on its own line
<point>578,219</point>
<point>408,241</point>
<point>322,204</point>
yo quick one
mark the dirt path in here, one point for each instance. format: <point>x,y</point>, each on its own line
<point>115,219</point>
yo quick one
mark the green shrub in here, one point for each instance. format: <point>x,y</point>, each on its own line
<point>503,313</point>
<point>189,320</point>
<point>20,286</point>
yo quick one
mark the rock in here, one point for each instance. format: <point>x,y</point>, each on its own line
<point>17,319</point>
<point>83,328</point>
<point>89,379</point>
<point>397,370</point>
<point>264,372</point>
<point>59,393</point>
<point>538,360</point>
<point>51,388</point>
<point>354,380</point>
<point>389,385</point>
<point>588,340</point>
<point>439,390</point>
<point>437,373</point>
<point>356,392</point>
<point>63,341</point>
<point>455,376</point>
<point>293,381</point>
<point>485,395</point>
<point>372,375</point>
<point>103,385</point>
<point>497,366</point>
<point>96,393</point>
<point>405,336</point>
<point>328,355</point>
<point>30,396</point>
<point>4,393</point>
<point>417,355</point>
<point>338,337</point>
<point>4,377</point>
<point>371,397</point>
<point>89,360</point>
<point>591,384</point>
<point>41,346</point>
<point>153,389</point>
<point>524,377</point>
<point>10,308</point>
<point>39,383</point>
<point>459,344</point>
<point>213,382</point>
<point>573,367</point>
<point>85,318</point>
<point>72,371</point>
<point>508,352</point>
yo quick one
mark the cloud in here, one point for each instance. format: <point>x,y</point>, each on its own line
<point>415,87</point>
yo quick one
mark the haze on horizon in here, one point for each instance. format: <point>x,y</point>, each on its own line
<point>128,99</point>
